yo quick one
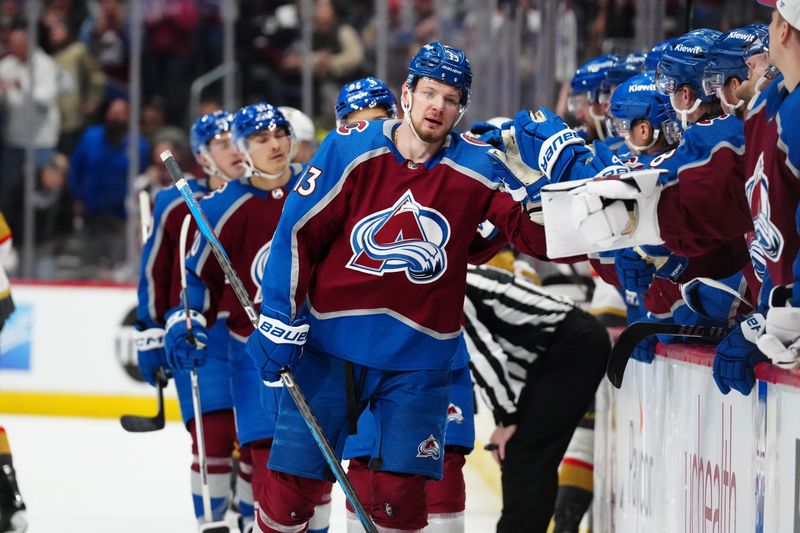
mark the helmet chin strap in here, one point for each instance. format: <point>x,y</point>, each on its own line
<point>731,108</point>
<point>407,115</point>
<point>211,168</point>
<point>635,148</point>
<point>598,124</point>
<point>684,113</point>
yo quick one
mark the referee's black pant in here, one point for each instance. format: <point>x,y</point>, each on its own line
<point>560,387</point>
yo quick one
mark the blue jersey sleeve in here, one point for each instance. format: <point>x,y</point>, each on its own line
<point>312,214</point>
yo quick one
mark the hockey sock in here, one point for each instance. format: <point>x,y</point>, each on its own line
<point>322,514</point>
<point>220,435</point>
<point>447,497</point>
<point>244,488</point>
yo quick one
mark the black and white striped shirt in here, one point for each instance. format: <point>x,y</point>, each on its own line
<point>509,322</point>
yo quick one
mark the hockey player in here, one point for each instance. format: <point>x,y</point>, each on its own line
<point>771,167</point>
<point>159,289</point>
<point>365,99</point>
<point>12,507</point>
<point>588,99</point>
<point>370,99</point>
<point>643,117</point>
<point>725,68</point>
<point>304,132</point>
<point>244,214</point>
<point>368,265</point>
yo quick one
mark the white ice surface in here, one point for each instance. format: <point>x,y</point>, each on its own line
<point>84,475</point>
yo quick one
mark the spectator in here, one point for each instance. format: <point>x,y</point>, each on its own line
<point>70,12</point>
<point>154,123</point>
<point>106,35</point>
<point>53,204</point>
<point>99,182</point>
<point>37,126</point>
<point>170,27</point>
<point>81,83</point>
<point>338,53</point>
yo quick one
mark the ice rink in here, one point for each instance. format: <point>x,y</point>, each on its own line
<point>82,475</point>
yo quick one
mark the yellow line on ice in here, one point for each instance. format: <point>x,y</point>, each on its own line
<point>84,405</point>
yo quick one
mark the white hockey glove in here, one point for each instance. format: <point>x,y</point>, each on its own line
<point>781,338</point>
<point>610,208</point>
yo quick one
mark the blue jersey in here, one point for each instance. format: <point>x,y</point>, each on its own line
<point>244,218</point>
<point>372,249</point>
<point>159,275</point>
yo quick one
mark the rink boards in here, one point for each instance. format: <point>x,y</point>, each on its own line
<point>675,455</point>
<point>65,349</point>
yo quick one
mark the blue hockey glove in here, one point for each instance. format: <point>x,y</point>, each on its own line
<point>645,351</point>
<point>150,353</point>
<point>488,133</point>
<point>736,357</point>
<point>598,162</point>
<point>668,265</point>
<point>185,351</point>
<point>546,143</point>
<point>634,273</point>
<point>275,345</point>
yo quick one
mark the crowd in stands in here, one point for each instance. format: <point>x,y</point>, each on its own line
<point>77,119</point>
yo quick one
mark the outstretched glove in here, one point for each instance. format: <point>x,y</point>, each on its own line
<point>737,355</point>
<point>546,143</point>
<point>488,133</point>
<point>275,345</point>
<point>185,348</point>
<point>151,354</point>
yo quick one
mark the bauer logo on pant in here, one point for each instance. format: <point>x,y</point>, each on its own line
<point>430,447</point>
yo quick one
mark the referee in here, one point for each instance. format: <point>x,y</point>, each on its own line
<point>538,360</point>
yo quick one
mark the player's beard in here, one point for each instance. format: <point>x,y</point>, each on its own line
<point>429,136</point>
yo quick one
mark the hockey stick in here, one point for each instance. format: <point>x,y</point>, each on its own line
<point>142,424</point>
<point>136,423</point>
<point>638,331</point>
<point>209,526</point>
<point>286,374</point>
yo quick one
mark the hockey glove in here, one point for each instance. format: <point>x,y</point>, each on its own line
<point>597,162</point>
<point>488,133</point>
<point>150,353</point>
<point>645,351</point>
<point>546,143</point>
<point>634,273</point>
<point>185,347</point>
<point>737,355</point>
<point>275,345</point>
<point>781,339</point>
<point>606,209</point>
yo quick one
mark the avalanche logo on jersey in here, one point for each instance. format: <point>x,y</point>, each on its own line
<point>407,237</point>
<point>257,269</point>
<point>768,240</point>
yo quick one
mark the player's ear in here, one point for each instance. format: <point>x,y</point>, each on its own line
<point>645,131</point>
